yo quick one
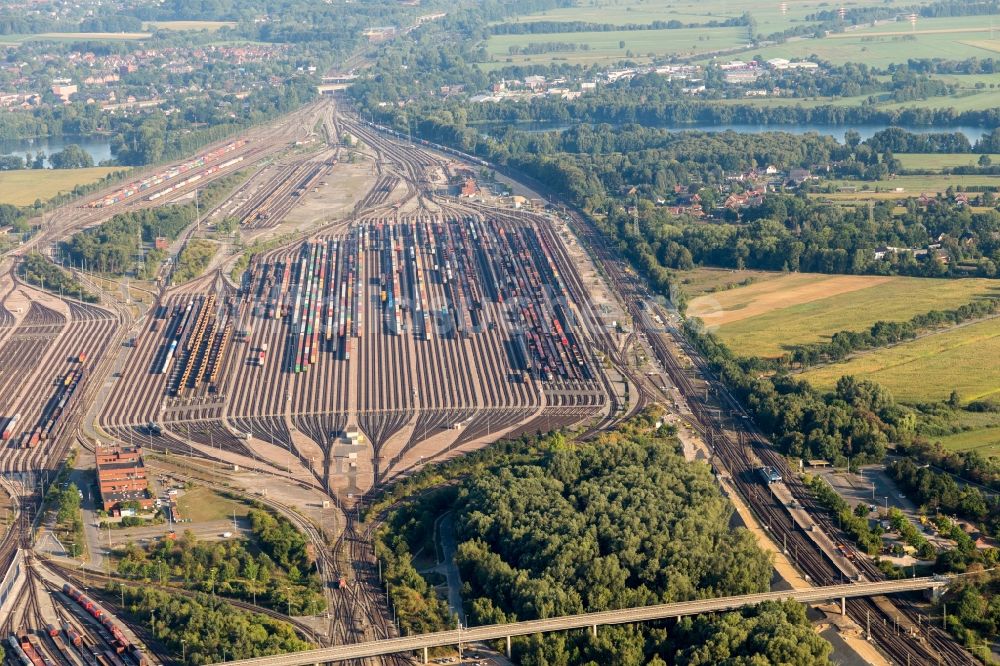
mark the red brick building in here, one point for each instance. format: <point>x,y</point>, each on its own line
<point>121,476</point>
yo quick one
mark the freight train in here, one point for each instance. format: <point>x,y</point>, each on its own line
<point>57,405</point>
<point>138,186</point>
<point>116,638</point>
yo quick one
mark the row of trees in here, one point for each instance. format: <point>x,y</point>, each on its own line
<point>885,333</point>
<point>65,501</point>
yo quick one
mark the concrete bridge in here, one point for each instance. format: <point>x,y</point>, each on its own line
<point>422,642</point>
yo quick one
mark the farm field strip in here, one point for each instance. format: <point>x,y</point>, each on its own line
<point>938,161</point>
<point>807,308</point>
<point>75,36</point>
<point>911,186</point>
<point>23,187</point>
<point>929,368</point>
<point>759,299</point>
<point>211,26</point>
<point>606,45</point>
<point>768,17</point>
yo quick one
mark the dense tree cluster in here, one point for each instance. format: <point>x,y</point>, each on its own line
<point>940,492</point>
<point>621,522</point>
<point>207,630</point>
<point>600,526</point>
<point>115,246</point>
<point>193,259</point>
<point>897,140</point>
<point>858,419</point>
<point>281,575</point>
<point>71,157</point>
<point>971,608</point>
<point>411,529</point>
<point>13,216</point>
<point>39,271</point>
<point>546,525</point>
<point>771,633</point>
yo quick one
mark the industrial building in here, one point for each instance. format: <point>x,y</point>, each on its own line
<point>121,476</point>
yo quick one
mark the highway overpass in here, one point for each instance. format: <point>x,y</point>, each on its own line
<point>584,620</point>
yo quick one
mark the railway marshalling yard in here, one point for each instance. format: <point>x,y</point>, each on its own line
<point>380,325</point>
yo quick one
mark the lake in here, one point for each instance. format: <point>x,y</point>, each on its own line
<point>836,131</point>
<point>99,147</point>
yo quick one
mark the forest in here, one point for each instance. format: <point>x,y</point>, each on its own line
<point>547,525</point>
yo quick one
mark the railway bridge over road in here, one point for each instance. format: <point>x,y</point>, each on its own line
<point>589,620</point>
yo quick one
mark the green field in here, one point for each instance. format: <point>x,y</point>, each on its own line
<point>768,16</point>
<point>211,26</point>
<point>803,308</point>
<point>952,38</point>
<point>604,46</point>
<point>23,187</point>
<point>74,36</point>
<point>771,315</point>
<point>969,97</point>
<point>203,504</point>
<point>938,161</point>
<point>985,439</point>
<point>912,186</point>
<point>701,281</point>
<point>961,359</point>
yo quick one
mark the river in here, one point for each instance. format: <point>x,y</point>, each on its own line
<point>99,147</point>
